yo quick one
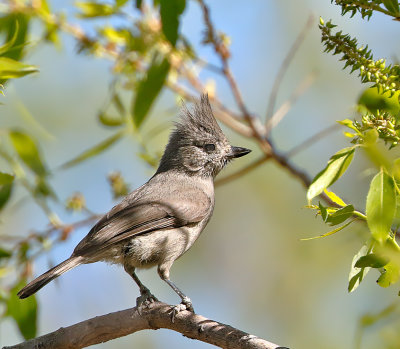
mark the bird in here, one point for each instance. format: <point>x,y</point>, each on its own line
<point>158,222</point>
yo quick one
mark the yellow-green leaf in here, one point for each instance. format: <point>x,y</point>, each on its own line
<point>381,205</point>
<point>10,69</point>
<point>5,178</point>
<point>96,150</point>
<point>340,215</point>
<point>329,232</point>
<point>337,165</point>
<point>356,275</point>
<point>390,275</point>
<point>28,151</point>
<point>94,9</point>
<point>336,199</point>
<point>371,260</point>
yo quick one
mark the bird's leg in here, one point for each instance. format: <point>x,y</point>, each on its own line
<point>186,302</point>
<point>146,297</point>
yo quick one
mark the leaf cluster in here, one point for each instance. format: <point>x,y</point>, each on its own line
<point>386,78</point>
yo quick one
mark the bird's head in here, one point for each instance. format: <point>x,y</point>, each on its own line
<point>198,145</point>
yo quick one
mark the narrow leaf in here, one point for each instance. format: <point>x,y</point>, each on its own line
<point>337,165</point>
<point>5,194</point>
<point>96,150</point>
<point>5,253</point>
<point>10,68</point>
<point>336,199</point>
<point>170,10</point>
<point>330,232</point>
<point>392,6</point>
<point>148,90</point>
<point>390,275</point>
<point>93,9</point>
<point>323,211</point>
<point>5,178</point>
<point>381,205</point>
<point>340,215</point>
<point>110,120</point>
<point>6,47</point>
<point>28,151</point>
<point>356,275</point>
<point>371,260</point>
<point>24,312</point>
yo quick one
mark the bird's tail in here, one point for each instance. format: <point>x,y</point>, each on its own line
<point>50,275</point>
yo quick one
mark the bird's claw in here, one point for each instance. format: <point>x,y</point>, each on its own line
<point>185,305</point>
<point>146,298</point>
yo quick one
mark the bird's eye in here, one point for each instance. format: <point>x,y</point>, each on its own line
<point>209,147</point>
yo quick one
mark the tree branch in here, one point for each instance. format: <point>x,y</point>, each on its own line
<point>285,65</point>
<point>158,315</point>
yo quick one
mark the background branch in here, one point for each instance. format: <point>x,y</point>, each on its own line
<point>285,65</point>
<point>158,315</point>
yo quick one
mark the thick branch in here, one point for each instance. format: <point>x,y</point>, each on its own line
<point>121,323</point>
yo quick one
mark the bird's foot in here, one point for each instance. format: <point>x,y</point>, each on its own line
<point>186,304</point>
<point>146,298</point>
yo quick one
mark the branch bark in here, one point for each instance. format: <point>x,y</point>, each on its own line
<point>158,315</point>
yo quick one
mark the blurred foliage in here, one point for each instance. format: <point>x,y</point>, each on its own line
<point>379,122</point>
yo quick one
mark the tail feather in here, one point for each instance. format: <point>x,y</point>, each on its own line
<point>48,276</point>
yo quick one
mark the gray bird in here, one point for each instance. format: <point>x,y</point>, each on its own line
<point>158,222</point>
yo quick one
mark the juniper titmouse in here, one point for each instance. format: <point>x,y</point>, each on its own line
<point>158,222</point>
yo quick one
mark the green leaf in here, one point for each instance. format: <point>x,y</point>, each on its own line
<point>149,88</point>
<point>93,9</point>
<point>340,215</point>
<point>138,4</point>
<point>392,6</point>
<point>348,123</point>
<point>5,178</point>
<point>118,104</point>
<point>373,101</point>
<point>120,3</point>
<point>371,260</point>
<point>110,120</point>
<point>356,275</point>
<point>28,152</point>
<point>7,46</point>
<point>5,194</point>
<point>381,205</point>
<point>15,22</point>
<point>5,253</point>
<point>329,233</point>
<point>337,165</point>
<point>390,275</point>
<point>323,211</point>
<point>336,199</point>
<point>170,10</point>
<point>10,69</point>
<point>96,150</point>
<point>24,312</point>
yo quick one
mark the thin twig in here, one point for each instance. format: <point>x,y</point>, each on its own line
<point>222,51</point>
<point>285,65</point>
<point>222,115</point>
<point>312,140</point>
<point>242,171</point>
<point>286,106</point>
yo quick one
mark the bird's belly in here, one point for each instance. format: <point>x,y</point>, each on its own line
<point>157,247</point>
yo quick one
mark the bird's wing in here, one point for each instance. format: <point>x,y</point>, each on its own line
<point>125,221</point>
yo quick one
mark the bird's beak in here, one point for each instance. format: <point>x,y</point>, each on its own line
<point>237,152</point>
